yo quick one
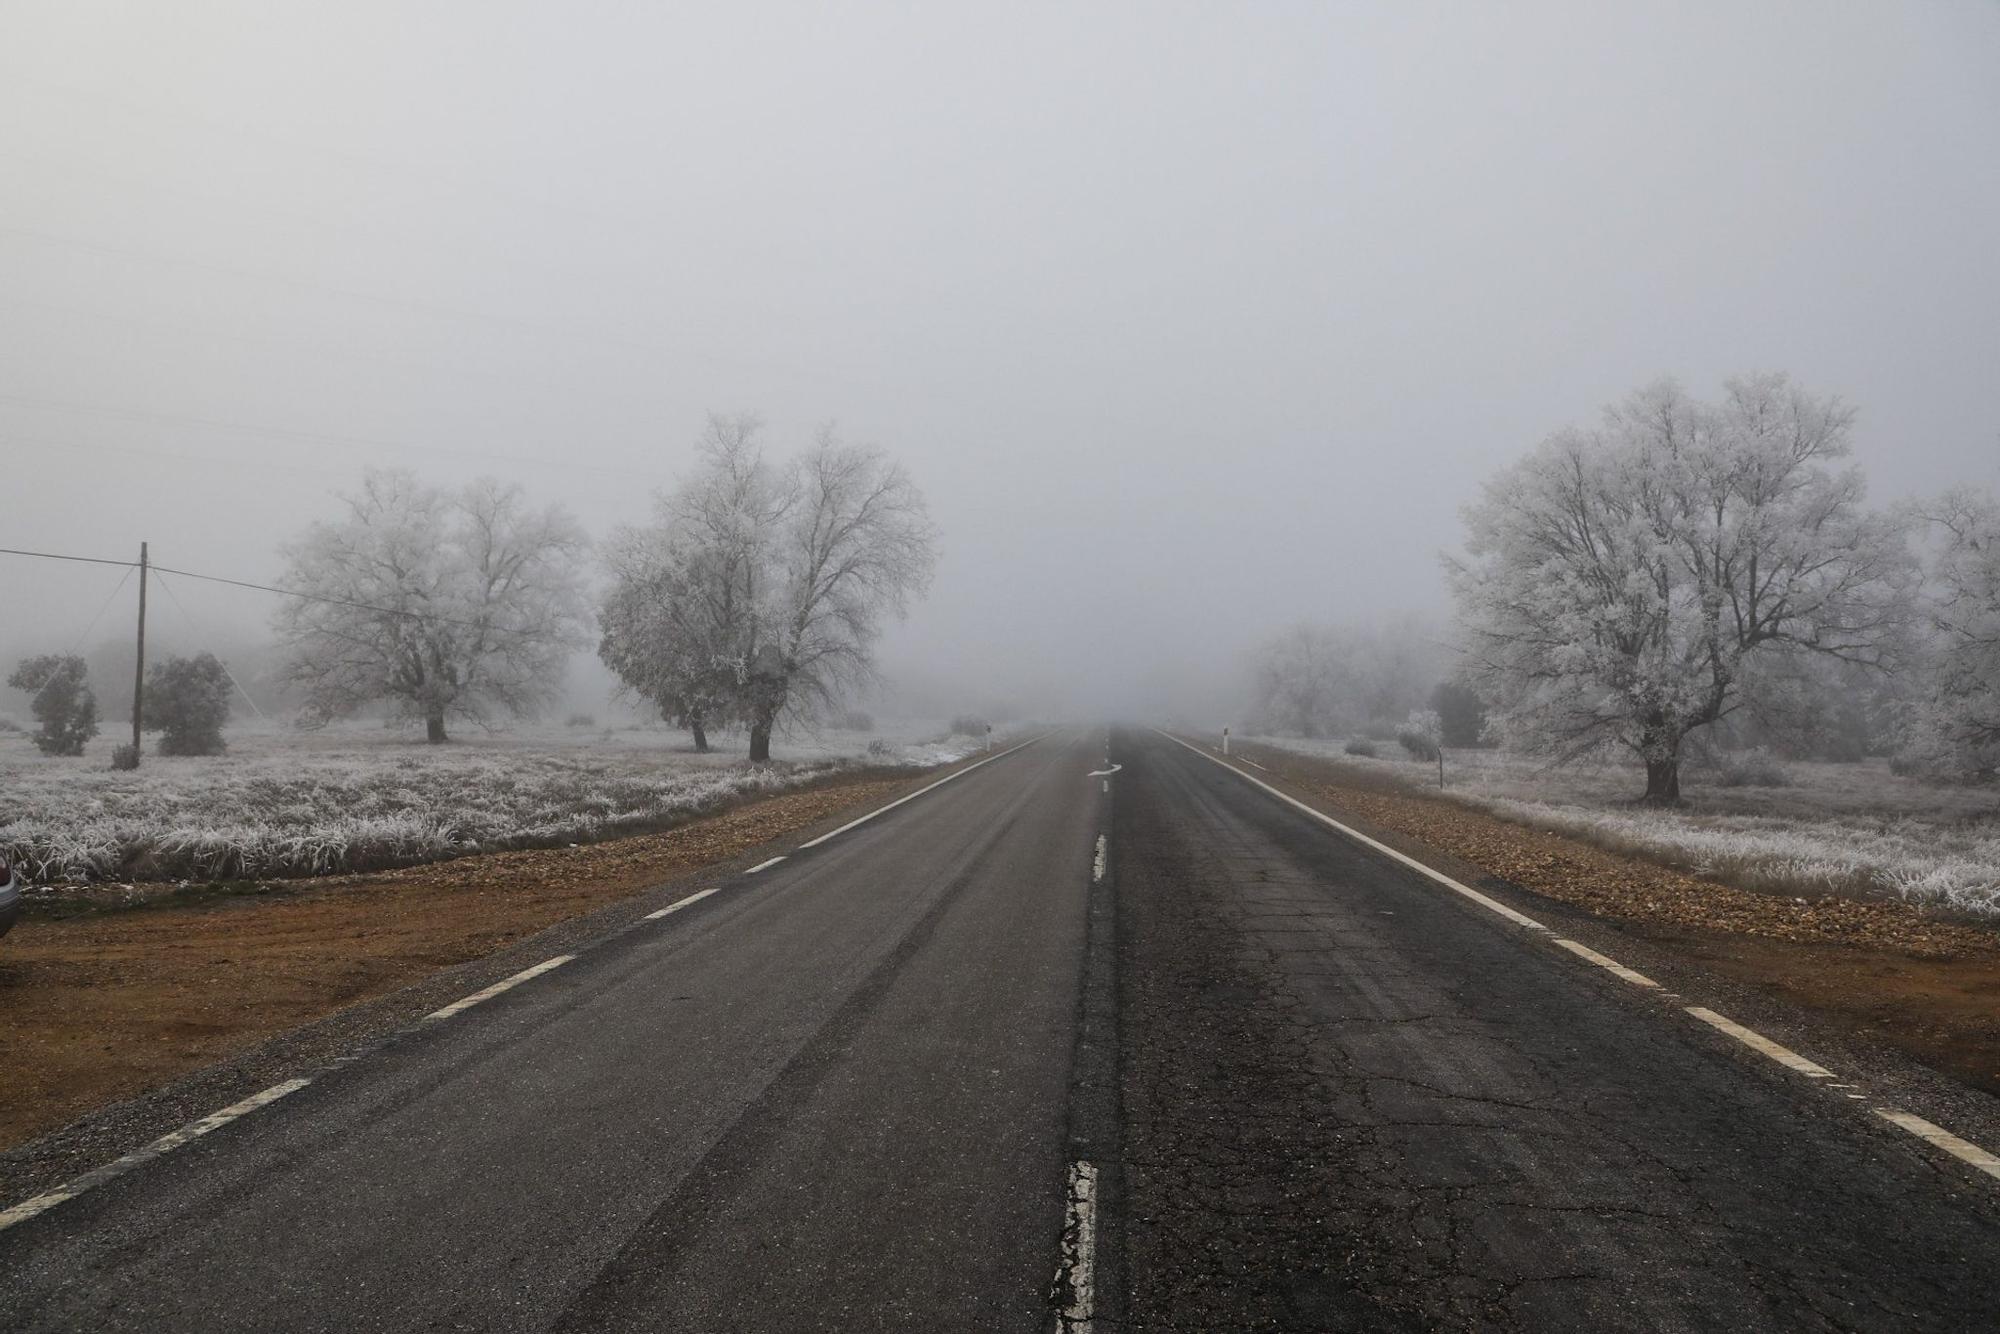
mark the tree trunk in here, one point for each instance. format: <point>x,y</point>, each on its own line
<point>1663,782</point>
<point>434,727</point>
<point>700,735</point>
<point>760,741</point>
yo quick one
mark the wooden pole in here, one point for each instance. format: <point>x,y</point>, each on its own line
<point>139,666</point>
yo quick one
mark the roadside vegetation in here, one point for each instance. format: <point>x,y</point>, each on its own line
<point>1806,828</point>
<point>282,803</point>
<point>1683,634</point>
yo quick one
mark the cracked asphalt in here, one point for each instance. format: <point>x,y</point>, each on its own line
<point>1353,1100</point>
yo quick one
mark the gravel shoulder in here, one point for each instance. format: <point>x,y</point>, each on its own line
<point>191,1001</point>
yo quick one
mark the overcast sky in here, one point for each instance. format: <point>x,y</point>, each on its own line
<point>1190,320</point>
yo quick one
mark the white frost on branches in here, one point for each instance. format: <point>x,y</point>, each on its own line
<point>1956,723</point>
<point>761,591</point>
<point>1631,584</point>
<point>446,604</point>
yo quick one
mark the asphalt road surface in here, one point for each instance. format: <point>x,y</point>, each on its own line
<point>1150,1047</point>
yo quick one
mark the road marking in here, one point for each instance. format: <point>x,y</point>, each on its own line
<point>959,773</point>
<point>1097,867</point>
<point>1252,763</point>
<point>467,1002</point>
<point>1076,1272</point>
<point>1757,1042</point>
<point>1105,773</point>
<point>1609,965</point>
<point>1963,1150</point>
<point>1491,904</point>
<point>764,866</point>
<point>679,904</point>
<point>165,1144</point>
<point>1107,785</point>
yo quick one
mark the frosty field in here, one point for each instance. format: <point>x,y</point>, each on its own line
<point>1830,828</point>
<point>284,803</point>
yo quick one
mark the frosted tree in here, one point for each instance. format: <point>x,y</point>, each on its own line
<point>444,604</point>
<point>680,619</point>
<point>188,700</point>
<point>1319,680</point>
<point>1628,585</point>
<point>63,702</point>
<point>856,545</point>
<point>760,591</point>
<point>1957,721</point>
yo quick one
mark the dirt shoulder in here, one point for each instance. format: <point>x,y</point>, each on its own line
<point>1885,972</point>
<point>96,1007</point>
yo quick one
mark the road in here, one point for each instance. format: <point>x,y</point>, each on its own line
<point>1309,1089</point>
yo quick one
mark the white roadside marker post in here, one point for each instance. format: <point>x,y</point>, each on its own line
<point>1225,741</point>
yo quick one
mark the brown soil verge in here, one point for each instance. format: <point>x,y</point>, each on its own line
<point>1886,971</point>
<point>101,1006</point>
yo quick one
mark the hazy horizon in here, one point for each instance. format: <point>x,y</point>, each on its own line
<point>1190,322</point>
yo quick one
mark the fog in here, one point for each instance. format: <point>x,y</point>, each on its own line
<point>1190,321</point>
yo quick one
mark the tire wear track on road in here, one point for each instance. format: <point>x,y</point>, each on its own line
<point>1353,1101</point>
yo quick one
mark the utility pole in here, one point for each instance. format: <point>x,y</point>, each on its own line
<point>139,667</point>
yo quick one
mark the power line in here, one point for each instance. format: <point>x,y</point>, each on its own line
<point>50,555</point>
<point>261,588</point>
<point>200,629</point>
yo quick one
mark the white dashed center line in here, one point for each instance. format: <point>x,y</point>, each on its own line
<point>1076,1273</point>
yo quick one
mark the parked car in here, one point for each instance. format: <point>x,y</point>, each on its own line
<point>10,895</point>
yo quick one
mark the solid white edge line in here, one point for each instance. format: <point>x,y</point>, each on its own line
<point>928,787</point>
<point>1493,905</point>
<point>679,904</point>
<point>1757,1042</point>
<point>1612,966</point>
<point>1963,1150</point>
<point>167,1143</point>
<point>1076,1273</point>
<point>764,866</point>
<point>488,993</point>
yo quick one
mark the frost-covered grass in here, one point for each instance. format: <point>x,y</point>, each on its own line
<point>284,803</point>
<point>1829,828</point>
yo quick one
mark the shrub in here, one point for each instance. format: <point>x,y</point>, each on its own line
<point>63,704</point>
<point>188,700</point>
<point>125,756</point>
<point>880,750</point>
<point>1461,714</point>
<point>1750,768</point>
<point>1418,744</point>
<point>580,720</point>
<point>967,724</point>
<point>1363,747</point>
